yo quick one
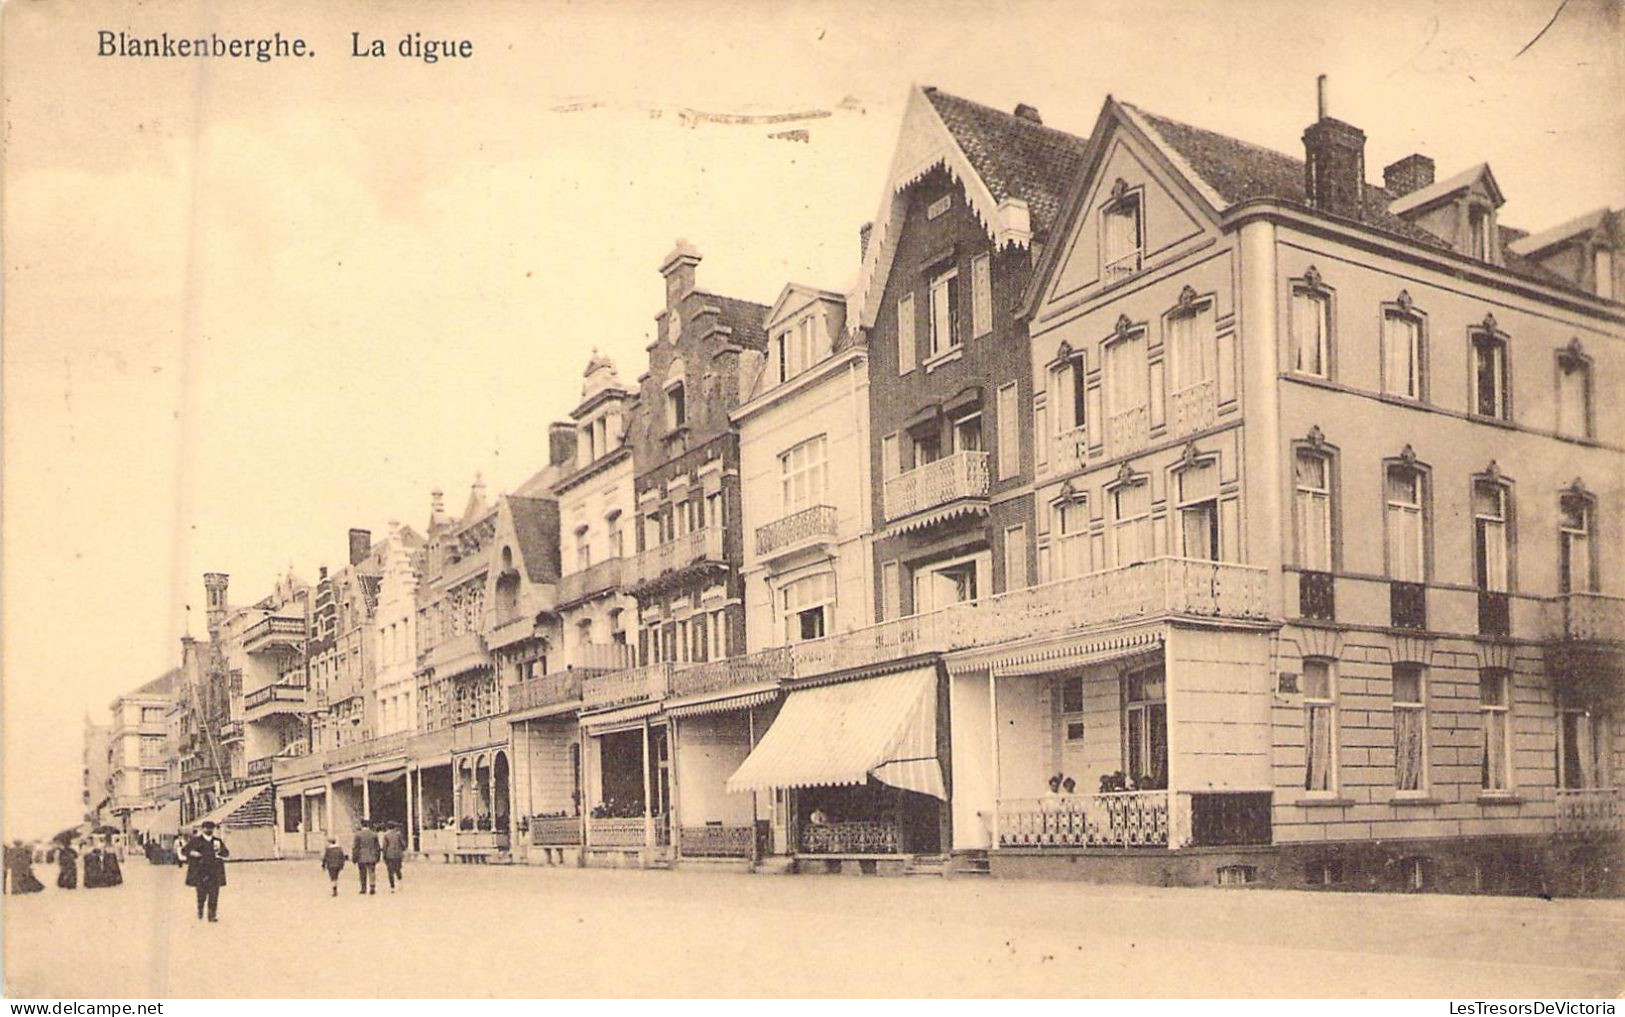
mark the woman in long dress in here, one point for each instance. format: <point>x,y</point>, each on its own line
<point>67,860</point>
<point>93,866</point>
<point>20,863</point>
<point>112,875</point>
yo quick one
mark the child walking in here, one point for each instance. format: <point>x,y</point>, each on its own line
<point>333,862</point>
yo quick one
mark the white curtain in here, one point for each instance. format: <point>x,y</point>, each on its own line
<point>1314,512</point>
<point>1308,333</point>
<point>1399,353</point>
<point>1404,526</point>
<point>1408,747</point>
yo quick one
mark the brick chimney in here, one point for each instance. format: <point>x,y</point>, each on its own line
<point>1409,174</point>
<point>360,545</point>
<point>678,268</point>
<point>214,586</point>
<point>864,233</point>
<point>1029,113</point>
<point>1334,163</point>
<point>561,444</point>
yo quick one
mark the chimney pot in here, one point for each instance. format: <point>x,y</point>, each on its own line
<point>561,443</point>
<point>1408,175</point>
<point>1029,113</point>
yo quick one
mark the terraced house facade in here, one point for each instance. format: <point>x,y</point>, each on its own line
<point>1155,507</point>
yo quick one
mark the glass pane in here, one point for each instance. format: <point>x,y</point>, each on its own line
<point>1309,470</point>
<point>1408,749</point>
<point>1492,689</point>
<point>1199,483</point>
<point>1317,681</point>
<point>1072,695</point>
<point>1407,684</point>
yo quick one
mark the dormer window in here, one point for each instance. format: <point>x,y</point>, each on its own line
<point>1603,264</point>
<point>801,346</point>
<point>1121,237</point>
<point>1478,233</point>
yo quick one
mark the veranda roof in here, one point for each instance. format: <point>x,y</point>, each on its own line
<point>884,727</point>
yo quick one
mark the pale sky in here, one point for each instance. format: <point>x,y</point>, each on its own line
<point>248,306</point>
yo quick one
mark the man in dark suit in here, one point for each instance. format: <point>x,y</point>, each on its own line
<point>365,852</point>
<point>206,856</point>
<point>394,846</point>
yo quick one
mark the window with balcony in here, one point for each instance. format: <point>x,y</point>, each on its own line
<point>1131,521</point>
<point>1573,392</point>
<point>1312,480</point>
<point>1576,569</point>
<point>966,434</point>
<point>1320,727</point>
<point>1128,391</point>
<point>945,332</point>
<point>1198,506</point>
<point>1311,330</point>
<point>1495,717</point>
<point>1145,723</point>
<point>1192,350</point>
<point>1071,529</point>
<point>807,606</point>
<point>1122,239</point>
<point>1068,398</point>
<point>1406,523</point>
<point>1584,740</point>
<point>1491,391</point>
<point>1410,729</point>
<point>1404,352</point>
<point>803,475</point>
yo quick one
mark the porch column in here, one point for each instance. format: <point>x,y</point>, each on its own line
<point>750,746</point>
<point>588,748</point>
<point>366,796</point>
<point>648,806</point>
<point>417,835</point>
<point>410,814</point>
<point>673,812</point>
<point>327,806</point>
<point>993,721</point>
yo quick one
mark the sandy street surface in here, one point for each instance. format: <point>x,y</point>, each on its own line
<point>476,931</point>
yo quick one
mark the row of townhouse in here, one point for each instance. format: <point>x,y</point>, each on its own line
<point>1156,506</point>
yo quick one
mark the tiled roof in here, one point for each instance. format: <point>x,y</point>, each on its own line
<point>1525,266</point>
<point>1241,171</point>
<point>744,317</point>
<point>537,538</point>
<point>159,686</point>
<point>1015,157</point>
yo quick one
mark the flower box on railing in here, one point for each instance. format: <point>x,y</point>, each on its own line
<point>797,529</point>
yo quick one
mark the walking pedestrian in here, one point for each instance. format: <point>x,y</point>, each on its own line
<point>20,868</point>
<point>67,871</point>
<point>333,862</point>
<point>365,852</point>
<point>94,876</point>
<point>112,874</point>
<point>206,856</point>
<point>394,850</point>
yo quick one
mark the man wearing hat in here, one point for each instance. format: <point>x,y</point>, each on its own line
<point>206,856</point>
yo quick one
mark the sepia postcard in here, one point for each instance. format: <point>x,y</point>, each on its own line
<point>707,499</point>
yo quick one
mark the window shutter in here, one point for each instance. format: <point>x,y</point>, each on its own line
<point>1009,433</point>
<point>891,593</point>
<point>1015,558</point>
<point>905,334</point>
<point>982,293</point>
<point>890,463</point>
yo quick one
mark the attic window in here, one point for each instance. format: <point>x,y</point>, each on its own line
<point>1603,262</point>
<point>676,406</point>
<point>1478,233</point>
<point>1121,237</point>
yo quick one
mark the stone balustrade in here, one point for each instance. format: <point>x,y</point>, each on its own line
<point>1115,819</point>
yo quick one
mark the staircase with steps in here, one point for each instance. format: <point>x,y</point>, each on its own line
<point>259,810</point>
<point>959,863</point>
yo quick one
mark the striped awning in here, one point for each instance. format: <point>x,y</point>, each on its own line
<point>624,715</point>
<point>724,702</point>
<point>885,728</point>
<point>219,816</point>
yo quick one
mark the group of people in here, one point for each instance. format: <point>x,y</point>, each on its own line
<point>373,843</point>
<point>101,867</point>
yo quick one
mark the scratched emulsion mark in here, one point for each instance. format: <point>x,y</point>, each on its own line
<point>689,117</point>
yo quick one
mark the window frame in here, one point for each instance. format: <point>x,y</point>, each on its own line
<point>1124,200</point>
<point>791,614</point>
<point>813,473</point>
<point>1565,533</point>
<point>945,282</point>
<point>980,565</point>
<point>1070,546</point>
<point>1503,709</point>
<point>1328,493</point>
<point>1419,477</point>
<point>1481,559</point>
<point>1418,706</point>
<point>1481,336</point>
<point>1184,504</point>
<point>1573,359</point>
<point>1139,525</point>
<point>1403,310</point>
<point>1191,312</point>
<point>1311,704</point>
<point>1310,286</point>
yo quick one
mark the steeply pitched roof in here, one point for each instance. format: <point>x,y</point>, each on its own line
<point>1015,157</point>
<point>536,528</point>
<point>1240,171</point>
<point>744,317</point>
<point>1534,244</point>
<point>162,685</point>
<point>1440,189</point>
